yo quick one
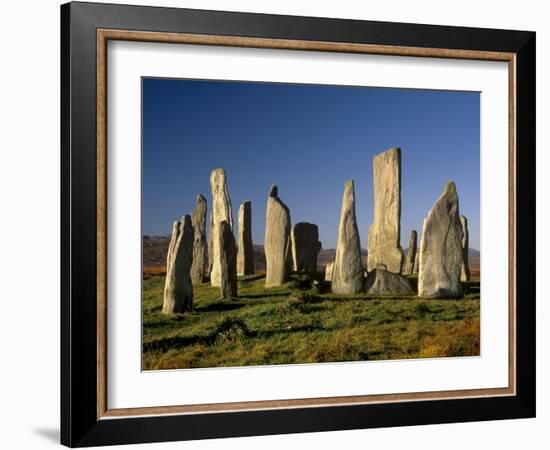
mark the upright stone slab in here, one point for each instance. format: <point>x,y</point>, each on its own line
<point>384,233</point>
<point>210,245</point>
<point>228,261</point>
<point>416,261</point>
<point>411,254</point>
<point>347,275</point>
<point>277,240</point>
<point>178,289</point>
<point>245,248</point>
<point>329,269</point>
<point>221,210</point>
<point>198,219</point>
<point>305,247</point>
<point>465,270</point>
<point>441,248</point>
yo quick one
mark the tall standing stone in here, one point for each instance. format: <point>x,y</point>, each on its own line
<point>221,210</point>
<point>441,248</point>
<point>198,219</point>
<point>228,261</point>
<point>178,289</point>
<point>416,261</point>
<point>329,269</point>
<point>210,246</point>
<point>277,240</point>
<point>465,269</point>
<point>411,254</point>
<point>305,247</point>
<point>384,234</point>
<point>347,275</point>
<point>245,249</point>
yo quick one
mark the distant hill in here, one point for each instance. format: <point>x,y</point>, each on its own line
<point>155,248</point>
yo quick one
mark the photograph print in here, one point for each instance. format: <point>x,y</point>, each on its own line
<point>300,223</point>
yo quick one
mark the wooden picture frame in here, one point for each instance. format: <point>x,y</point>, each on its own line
<point>86,418</point>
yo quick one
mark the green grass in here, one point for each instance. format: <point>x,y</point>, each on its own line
<point>296,323</point>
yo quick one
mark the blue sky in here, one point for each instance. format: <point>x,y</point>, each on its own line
<point>309,140</point>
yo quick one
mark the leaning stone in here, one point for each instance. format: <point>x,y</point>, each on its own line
<point>384,233</point>
<point>245,252</point>
<point>347,276</point>
<point>221,210</point>
<point>198,219</point>
<point>277,240</point>
<point>329,268</point>
<point>411,254</point>
<point>465,269</point>
<point>381,282</point>
<point>178,289</point>
<point>305,247</point>
<point>228,261</point>
<point>441,248</point>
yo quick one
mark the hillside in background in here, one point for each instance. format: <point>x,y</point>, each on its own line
<point>155,248</point>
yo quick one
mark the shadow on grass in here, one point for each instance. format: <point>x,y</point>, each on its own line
<point>219,306</point>
<point>264,295</point>
<point>250,278</point>
<point>228,329</point>
<point>291,329</point>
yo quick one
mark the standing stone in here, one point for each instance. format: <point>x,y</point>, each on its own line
<point>381,282</point>
<point>347,276</point>
<point>465,269</point>
<point>384,233</point>
<point>221,210</point>
<point>329,269</point>
<point>416,261</point>
<point>198,219</point>
<point>210,246</point>
<point>245,252</point>
<point>228,261</point>
<point>410,260</point>
<point>277,240</point>
<point>305,247</point>
<point>441,248</point>
<point>178,289</point>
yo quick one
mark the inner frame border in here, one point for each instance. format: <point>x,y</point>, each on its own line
<point>104,35</point>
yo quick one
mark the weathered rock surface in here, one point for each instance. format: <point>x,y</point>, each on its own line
<point>198,220</point>
<point>221,210</point>
<point>329,269</point>
<point>228,261</point>
<point>347,276</point>
<point>178,289</point>
<point>381,282</point>
<point>305,247</point>
<point>465,269</point>
<point>245,248</point>
<point>441,253</point>
<point>416,261</point>
<point>384,233</point>
<point>210,245</point>
<point>277,240</point>
<point>410,259</point>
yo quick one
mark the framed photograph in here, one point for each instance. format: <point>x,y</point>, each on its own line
<point>277,224</point>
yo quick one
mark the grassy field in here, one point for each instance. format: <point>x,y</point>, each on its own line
<point>298,323</point>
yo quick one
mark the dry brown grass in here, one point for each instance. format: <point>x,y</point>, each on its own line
<point>152,271</point>
<point>460,340</point>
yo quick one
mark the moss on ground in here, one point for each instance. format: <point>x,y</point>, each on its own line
<point>298,323</point>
